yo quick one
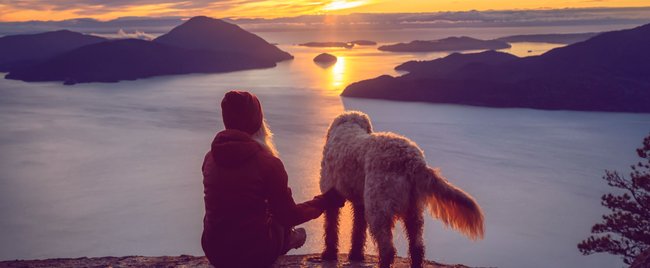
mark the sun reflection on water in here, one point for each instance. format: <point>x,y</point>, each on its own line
<point>359,63</point>
<point>338,74</point>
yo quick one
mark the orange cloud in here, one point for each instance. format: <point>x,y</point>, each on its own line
<point>22,10</point>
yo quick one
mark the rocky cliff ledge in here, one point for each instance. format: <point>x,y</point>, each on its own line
<point>291,261</point>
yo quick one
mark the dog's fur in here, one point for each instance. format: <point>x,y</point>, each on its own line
<point>386,177</point>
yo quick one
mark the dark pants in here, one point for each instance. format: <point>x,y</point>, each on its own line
<point>280,234</point>
<point>276,244</point>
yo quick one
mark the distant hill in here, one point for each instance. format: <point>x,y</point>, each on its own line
<point>213,34</point>
<point>328,44</point>
<point>453,62</point>
<point>22,50</point>
<point>609,72</point>
<point>350,44</point>
<point>130,59</point>
<point>549,38</point>
<point>446,44</point>
<point>200,45</point>
<point>364,42</point>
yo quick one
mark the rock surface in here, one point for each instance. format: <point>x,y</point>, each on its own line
<point>290,261</point>
<point>325,58</point>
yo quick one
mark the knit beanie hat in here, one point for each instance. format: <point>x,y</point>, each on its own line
<point>242,111</point>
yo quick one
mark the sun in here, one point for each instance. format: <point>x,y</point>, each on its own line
<point>342,4</point>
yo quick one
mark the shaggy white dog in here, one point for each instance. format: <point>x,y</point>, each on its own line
<point>386,177</point>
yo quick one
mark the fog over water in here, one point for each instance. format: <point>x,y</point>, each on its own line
<point>114,169</point>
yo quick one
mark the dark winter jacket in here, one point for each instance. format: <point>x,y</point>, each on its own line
<point>245,189</point>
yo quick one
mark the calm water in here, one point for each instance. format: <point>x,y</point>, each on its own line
<point>114,169</point>
<point>406,35</point>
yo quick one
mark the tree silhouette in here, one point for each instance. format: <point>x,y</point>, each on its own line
<point>626,230</point>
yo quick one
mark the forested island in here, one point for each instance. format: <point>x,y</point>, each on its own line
<point>608,72</point>
<point>200,45</point>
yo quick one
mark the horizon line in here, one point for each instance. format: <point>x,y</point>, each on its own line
<point>329,14</point>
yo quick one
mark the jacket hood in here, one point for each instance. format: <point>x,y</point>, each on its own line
<point>233,147</point>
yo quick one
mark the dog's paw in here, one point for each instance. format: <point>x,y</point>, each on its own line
<point>329,255</point>
<point>356,256</point>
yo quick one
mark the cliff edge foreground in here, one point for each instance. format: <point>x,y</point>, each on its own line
<point>289,261</point>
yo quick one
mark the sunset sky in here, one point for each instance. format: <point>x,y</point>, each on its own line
<point>23,10</point>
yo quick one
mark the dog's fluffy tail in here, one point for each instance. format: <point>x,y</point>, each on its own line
<point>452,205</point>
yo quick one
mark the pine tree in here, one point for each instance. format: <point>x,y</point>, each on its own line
<point>626,230</point>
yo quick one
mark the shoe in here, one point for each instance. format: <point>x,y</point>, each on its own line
<point>297,238</point>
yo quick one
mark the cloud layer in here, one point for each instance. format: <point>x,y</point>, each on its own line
<point>357,21</point>
<point>25,10</point>
<point>20,10</point>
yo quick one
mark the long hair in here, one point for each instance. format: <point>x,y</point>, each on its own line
<point>264,137</point>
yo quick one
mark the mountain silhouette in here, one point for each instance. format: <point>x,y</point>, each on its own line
<point>328,44</point>
<point>213,34</point>
<point>22,50</point>
<point>609,72</point>
<point>568,38</point>
<point>446,44</point>
<point>130,59</point>
<point>453,62</point>
<point>200,45</point>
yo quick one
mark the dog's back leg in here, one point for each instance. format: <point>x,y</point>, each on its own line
<point>358,232</point>
<point>413,223</point>
<point>381,227</point>
<point>331,234</point>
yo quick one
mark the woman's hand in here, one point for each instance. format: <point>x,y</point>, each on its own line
<point>333,199</point>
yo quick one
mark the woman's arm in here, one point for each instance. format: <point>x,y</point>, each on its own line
<point>281,203</point>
